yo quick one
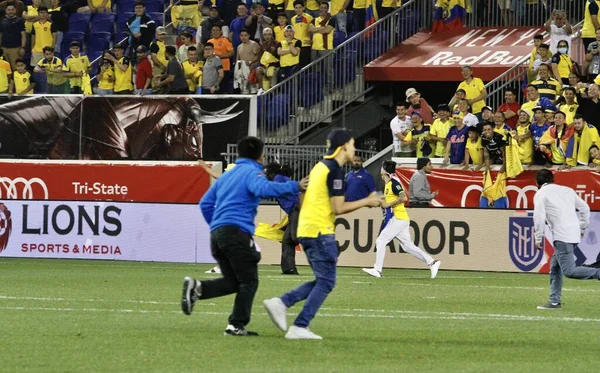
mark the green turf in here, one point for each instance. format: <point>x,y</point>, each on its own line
<point>92,316</point>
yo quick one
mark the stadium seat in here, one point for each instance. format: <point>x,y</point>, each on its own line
<point>124,16</point>
<point>79,25</point>
<point>311,89</point>
<point>95,60</point>
<point>76,17</point>
<point>103,22</point>
<point>99,41</point>
<point>347,71</point>
<point>119,37</point>
<point>125,6</point>
<point>338,38</point>
<point>155,7</point>
<point>157,17</point>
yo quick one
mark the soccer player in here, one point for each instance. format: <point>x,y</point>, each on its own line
<point>230,207</point>
<point>324,199</point>
<point>568,217</point>
<point>396,224</point>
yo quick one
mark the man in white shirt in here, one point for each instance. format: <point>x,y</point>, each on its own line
<point>401,125</point>
<point>567,216</point>
<point>559,29</point>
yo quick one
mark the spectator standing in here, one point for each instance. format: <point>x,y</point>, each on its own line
<point>420,194</point>
<point>257,22</point>
<point>420,105</point>
<point>469,119</point>
<point>359,182</point>
<point>19,5</point>
<point>585,136</point>
<point>457,142</point>
<point>282,23</point>
<point>289,54</point>
<point>459,95</point>
<point>60,21</point>
<point>388,6</point>
<point>186,42</point>
<point>96,6</point>
<point>522,134</point>
<point>401,125</point>
<point>175,78</point>
<point>494,146</point>
<point>337,8</point>
<point>224,50</point>
<point>268,69</point>
<point>534,99</point>
<point>537,41</point>
<point>312,7</point>
<point>590,22</point>
<point>559,29</point>
<point>322,42</point>
<point>52,67</point>
<point>590,107</point>
<point>76,65</point>
<point>500,125</point>
<point>212,73</point>
<point>236,26</point>
<point>544,58</point>
<point>592,58</point>
<point>143,73</point>
<point>359,18</point>
<point>419,136</point>
<point>142,29</point>
<point>123,71</point>
<point>13,38</point>
<point>205,29</point>
<point>301,22</point>
<point>538,128</point>
<point>30,15</point>
<point>474,150</point>
<point>569,106</point>
<point>248,54</point>
<point>475,90</point>
<point>510,107</point>
<point>6,81</point>
<point>562,64</point>
<point>24,83</point>
<point>43,34</point>
<point>192,68</point>
<point>157,55</point>
<point>439,130</point>
<point>106,76</point>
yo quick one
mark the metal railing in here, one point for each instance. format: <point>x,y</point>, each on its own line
<point>300,158</point>
<point>328,84</point>
<point>489,13</point>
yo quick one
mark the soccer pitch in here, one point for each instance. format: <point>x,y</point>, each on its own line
<point>99,316</point>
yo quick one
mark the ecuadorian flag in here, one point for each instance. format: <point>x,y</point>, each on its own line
<point>371,16</point>
<point>449,15</point>
<point>494,195</point>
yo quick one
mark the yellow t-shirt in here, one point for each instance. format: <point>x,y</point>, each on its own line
<point>5,71</point>
<point>420,135</point>
<point>195,69</point>
<point>564,65</point>
<point>42,36</point>
<point>360,4</point>
<point>310,5</point>
<point>158,47</point>
<point>390,3</point>
<point>97,3</point>
<point>53,78</point>
<point>473,90</point>
<point>440,129</point>
<point>316,215</point>
<point>22,81</point>
<point>390,192</point>
<point>504,130</point>
<point>31,11</point>
<point>474,149</point>
<point>335,6</point>
<point>276,2</point>
<point>525,145</point>
<point>557,154</point>
<point>533,57</point>
<point>570,111</point>
<point>123,78</point>
<point>300,25</point>
<point>279,33</point>
<point>107,82</point>
<point>317,39</point>
<point>289,59</point>
<point>529,105</point>
<point>75,65</point>
<point>588,31</point>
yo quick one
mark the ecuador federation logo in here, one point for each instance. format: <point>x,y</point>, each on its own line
<point>5,226</point>
<point>521,243</point>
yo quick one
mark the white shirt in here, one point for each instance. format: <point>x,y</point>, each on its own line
<point>557,34</point>
<point>398,125</point>
<point>563,210</point>
<point>470,120</point>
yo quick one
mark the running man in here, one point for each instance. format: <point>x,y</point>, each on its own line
<point>323,201</point>
<point>396,224</point>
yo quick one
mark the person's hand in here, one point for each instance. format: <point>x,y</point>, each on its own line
<point>539,245</point>
<point>203,164</point>
<point>142,92</point>
<point>21,52</point>
<point>79,74</point>
<point>446,161</point>
<point>213,89</point>
<point>543,148</point>
<point>477,168</point>
<point>435,194</point>
<point>444,141</point>
<point>303,184</point>
<point>375,200</point>
<point>137,35</point>
<point>582,232</point>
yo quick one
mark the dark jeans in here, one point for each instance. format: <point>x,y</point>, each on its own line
<point>127,92</point>
<point>304,56</point>
<point>286,72</point>
<point>359,20</point>
<point>289,242</point>
<point>183,91</point>
<point>419,204</point>
<point>322,254</point>
<point>236,254</point>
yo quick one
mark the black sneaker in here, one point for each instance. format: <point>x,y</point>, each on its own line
<point>240,332</point>
<point>292,271</point>
<point>550,306</point>
<point>191,292</point>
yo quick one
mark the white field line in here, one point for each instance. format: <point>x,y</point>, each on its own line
<point>46,299</point>
<point>398,314</point>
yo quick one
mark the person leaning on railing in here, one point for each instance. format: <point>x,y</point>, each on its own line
<point>420,194</point>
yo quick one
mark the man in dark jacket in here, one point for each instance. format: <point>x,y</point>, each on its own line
<point>140,27</point>
<point>230,207</point>
<point>214,19</point>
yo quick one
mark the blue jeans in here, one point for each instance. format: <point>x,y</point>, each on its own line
<point>563,263</point>
<point>340,22</point>
<point>322,254</point>
<point>105,92</point>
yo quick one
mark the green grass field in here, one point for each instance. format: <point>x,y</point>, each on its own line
<point>93,316</point>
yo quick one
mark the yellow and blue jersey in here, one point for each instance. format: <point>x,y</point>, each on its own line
<point>316,215</point>
<point>391,191</point>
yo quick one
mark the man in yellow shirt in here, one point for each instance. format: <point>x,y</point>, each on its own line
<point>439,130</point>
<point>474,150</point>
<point>522,134</point>
<point>289,54</point>
<point>75,67</point>
<point>43,34</point>
<point>570,106</point>
<point>301,22</point>
<point>157,56</point>
<point>591,23</point>
<point>52,66</point>
<point>6,81</point>
<point>123,71</point>
<point>388,6</point>
<point>192,68</point>
<point>106,77</point>
<point>31,15</point>
<point>322,29</point>
<point>24,83</point>
<point>97,6</point>
<point>474,89</point>
<point>360,15</point>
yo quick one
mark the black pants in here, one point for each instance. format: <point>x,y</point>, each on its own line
<point>182,91</point>
<point>76,90</point>
<point>236,254</point>
<point>304,56</point>
<point>419,204</point>
<point>289,242</point>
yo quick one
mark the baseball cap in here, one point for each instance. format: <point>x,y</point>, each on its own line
<point>161,30</point>
<point>549,110</point>
<point>75,43</point>
<point>487,108</point>
<point>336,139</point>
<point>416,113</point>
<point>141,49</point>
<point>536,108</point>
<point>410,92</point>
<point>213,7</point>
<point>524,111</point>
<point>444,107</point>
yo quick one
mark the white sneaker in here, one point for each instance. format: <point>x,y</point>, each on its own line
<point>216,269</point>
<point>372,271</point>
<point>296,332</point>
<point>276,310</point>
<point>435,266</point>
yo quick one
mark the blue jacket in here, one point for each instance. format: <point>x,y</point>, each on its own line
<point>359,184</point>
<point>234,197</point>
<point>288,201</point>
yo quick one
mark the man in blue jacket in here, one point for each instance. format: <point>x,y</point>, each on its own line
<point>230,207</point>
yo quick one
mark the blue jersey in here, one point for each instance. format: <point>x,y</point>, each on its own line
<point>538,131</point>
<point>359,184</point>
<point>458,143</point>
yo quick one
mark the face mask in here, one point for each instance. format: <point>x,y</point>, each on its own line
<point>563,50</point>
<point>356,166</point>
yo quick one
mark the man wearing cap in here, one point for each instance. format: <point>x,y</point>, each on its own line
<point>143,74</point>
<point>323,201</point>
<point>420,194</point>
<point>459,95</point>
<point>396,224</point>
<point>75,66</point>
<point>157,55</point>
<point>268,69</point>
<point>419,104</point>
<point>419,136</point>
<point>474,88</point>
<point>487,114</point>
<point>140,27</point>
<point>289,54</point>
<point>123,71</point>
<point>401,125</point>
<point>439,130</point>
<point>214,19</point>
<point>175,78</point>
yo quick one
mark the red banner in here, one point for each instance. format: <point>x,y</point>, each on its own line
<point>103,181</point>
<point>463,188</point>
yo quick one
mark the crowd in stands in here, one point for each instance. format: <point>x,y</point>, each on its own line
<point>123,48</point>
